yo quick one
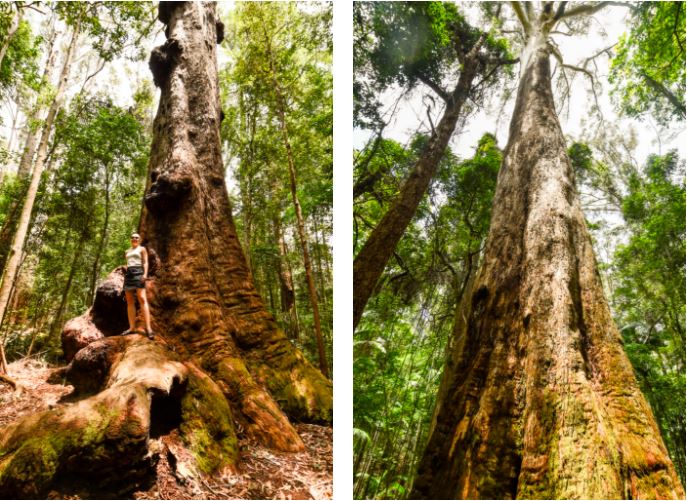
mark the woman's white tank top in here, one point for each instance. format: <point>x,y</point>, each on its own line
<point>133,256</point>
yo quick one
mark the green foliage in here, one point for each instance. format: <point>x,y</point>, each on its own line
<point>112,26</point>
<point>404,43</point>
<point>399,344</point>
<point>648,71</point>
<point>413,39</point>
<point>580,156</point>
<point>649,298</point>
<point>87,207</point>
<point>288,45</point>
<point>20,64</point>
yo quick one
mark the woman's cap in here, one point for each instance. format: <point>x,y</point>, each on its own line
<point>136,235</point>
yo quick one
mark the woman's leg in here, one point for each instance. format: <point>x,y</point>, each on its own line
<point>143,301</point>
<point>130,309</point>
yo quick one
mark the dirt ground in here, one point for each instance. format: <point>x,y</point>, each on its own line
<point>262,473</point>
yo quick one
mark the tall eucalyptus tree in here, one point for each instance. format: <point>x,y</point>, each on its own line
<point>539,399</point>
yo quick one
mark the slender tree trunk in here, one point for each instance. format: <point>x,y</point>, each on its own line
<point>300,223</point>
<point>57,320</point>
<point>294,307</point>
<point>24,169</point>
<point>379,246</point>
<point>247,190</point>
<point>95,271</point>
<point>287,295</point>
<point>13,127</point>
<point>12,267</point>
<point>248,223</point>
<point>318,255</point>
<point>541,401</point>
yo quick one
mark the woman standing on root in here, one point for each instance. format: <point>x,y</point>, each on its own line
<point>135,280</point>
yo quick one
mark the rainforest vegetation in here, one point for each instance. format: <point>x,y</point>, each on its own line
<point>520,324</point>
<point>216,146</point>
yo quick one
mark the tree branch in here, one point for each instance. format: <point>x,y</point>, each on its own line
<point>434,86</point>
<point>588,9</point>
<point>677,18</point>
<point>431,124</point>
<point>662,89</point>
<point>560,11</point>
<point>8,380</point>
<point>498,64</point>
<point>579,69</point>
<point>524,21</point>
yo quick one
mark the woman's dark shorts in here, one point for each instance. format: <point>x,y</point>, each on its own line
<point>134,278</point>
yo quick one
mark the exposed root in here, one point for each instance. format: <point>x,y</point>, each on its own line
<point>263,474</point>
<point>175,472</point>
<point>8,380</point>
<point>264,420</point>
<point>110,431</point>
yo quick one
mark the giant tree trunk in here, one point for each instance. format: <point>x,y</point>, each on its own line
<point>370,261</point>
<point>539,400</point>
<point>218,357</point>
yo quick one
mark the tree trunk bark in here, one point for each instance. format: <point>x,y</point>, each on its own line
<point>12,267</point>
<point>541,400</point>
<point>369,264</point>
<point>203,291</point>
<point>218,354</point>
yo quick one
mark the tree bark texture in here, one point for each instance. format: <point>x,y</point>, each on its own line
<point>370,262</point>
<point>218,354</point>
<point>539,400</point>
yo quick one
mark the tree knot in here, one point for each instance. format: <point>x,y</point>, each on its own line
<point>166,192</point>
<point>163,59</point>
<point>165,9</point>
<point>219,25</point>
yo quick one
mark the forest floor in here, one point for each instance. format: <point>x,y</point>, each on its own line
<point>262,474</point>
